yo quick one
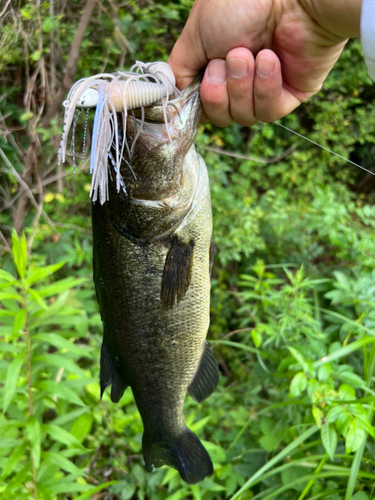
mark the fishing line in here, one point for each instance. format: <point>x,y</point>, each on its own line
<point>329,150</point>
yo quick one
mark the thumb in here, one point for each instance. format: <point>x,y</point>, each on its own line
<point>188,56</point>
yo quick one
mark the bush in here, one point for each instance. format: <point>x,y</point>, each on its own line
<point>292,314</point>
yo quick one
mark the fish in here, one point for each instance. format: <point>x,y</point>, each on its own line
<point>152,260</point>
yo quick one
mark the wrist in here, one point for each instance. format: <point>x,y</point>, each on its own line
<point>340,18</point>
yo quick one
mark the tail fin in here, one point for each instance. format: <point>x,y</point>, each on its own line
<point>186,454</point>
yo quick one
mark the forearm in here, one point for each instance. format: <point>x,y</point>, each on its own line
<point>339,17</point>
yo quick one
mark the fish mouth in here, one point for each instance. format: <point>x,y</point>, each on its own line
<point>174,117</point>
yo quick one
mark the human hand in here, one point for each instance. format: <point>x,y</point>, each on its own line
<point>263,57</point>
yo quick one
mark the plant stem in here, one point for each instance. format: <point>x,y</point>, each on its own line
<point>29,383</point>
<point>280,456</point>
<point>311,482</point>
<point>369,367</point>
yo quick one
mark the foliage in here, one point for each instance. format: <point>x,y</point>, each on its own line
<point>292,315</point>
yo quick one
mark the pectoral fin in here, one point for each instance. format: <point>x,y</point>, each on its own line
<point>206,378</point>
<point>109,376</point>
<point>177,273</point>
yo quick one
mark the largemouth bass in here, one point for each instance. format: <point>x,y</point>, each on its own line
<point>152,256</point>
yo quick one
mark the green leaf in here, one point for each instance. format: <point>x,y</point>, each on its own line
<point>81,427</point>
<point>7,442</point>
<point>43,492</point>
<point>210,485</point>
<point>59,434</point>
<point>68,417</point>
<point>91,492</point>
<point>347,392</point>
<point>60,286</point>
<point>318,415</point>
<point>360,495</point>
<point>127,491</point>
<point>354,437</point>
<point>17,480</point>
<point>280,456</point>
<point>9,284</point>
<point>298,384</point>
<point>4,275</point>
<point>51,312</point>
<point>36,55</point>
<point>334,413</point>
<point>269,442</point>
<point>5,347</point>
<point>11,296</point>
<point>19,324</point>
<point>60,390</point>
<point>216,452</point>
<point>38,299</point>
<point>343,422</point>
<point>197,495</point>
<point>62,462</point>
<point>345,351</point>
<point>59,487</point>
<point>139,474</point>
<point>19,248</point>
<point>299,358</point>
<point>12,379</point>
<point>257,337</point>
<point>329,439</point>
<point>4,312</point>
<point>34,435</point>
<point>324,372</point>
<point>200,424</point>
<point>60,362</point>
<point>40,273</point>
<point>62,343</point>
<point>352,379</point>
<point>17,455</point>
<point>362,417</point>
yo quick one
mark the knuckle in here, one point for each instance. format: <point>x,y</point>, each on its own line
<point>244,116</point>
<point>213,100</point>
<point>246,121</point>
<point>261,94</point>
<point>220,121</point>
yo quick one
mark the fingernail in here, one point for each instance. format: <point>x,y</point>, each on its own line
<point>216,71</point>
<point>237,68</point>
<point>265,66</point>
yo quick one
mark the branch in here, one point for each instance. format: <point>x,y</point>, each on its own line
<point>32,153</point>
<point>71,66</point>
<point>26,188</point>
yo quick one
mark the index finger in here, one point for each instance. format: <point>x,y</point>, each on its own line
<point>187,57</point>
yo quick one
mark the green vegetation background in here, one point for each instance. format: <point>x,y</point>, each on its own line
<point>293,311</point>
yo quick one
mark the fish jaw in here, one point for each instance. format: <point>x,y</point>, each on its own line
<point>160,148</point>
<point>183,115</point>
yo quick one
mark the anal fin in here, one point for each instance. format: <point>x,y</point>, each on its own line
<point>109,376</point>
<point>206,378</point>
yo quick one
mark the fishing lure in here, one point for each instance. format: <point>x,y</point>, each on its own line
<point>112,94</point>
